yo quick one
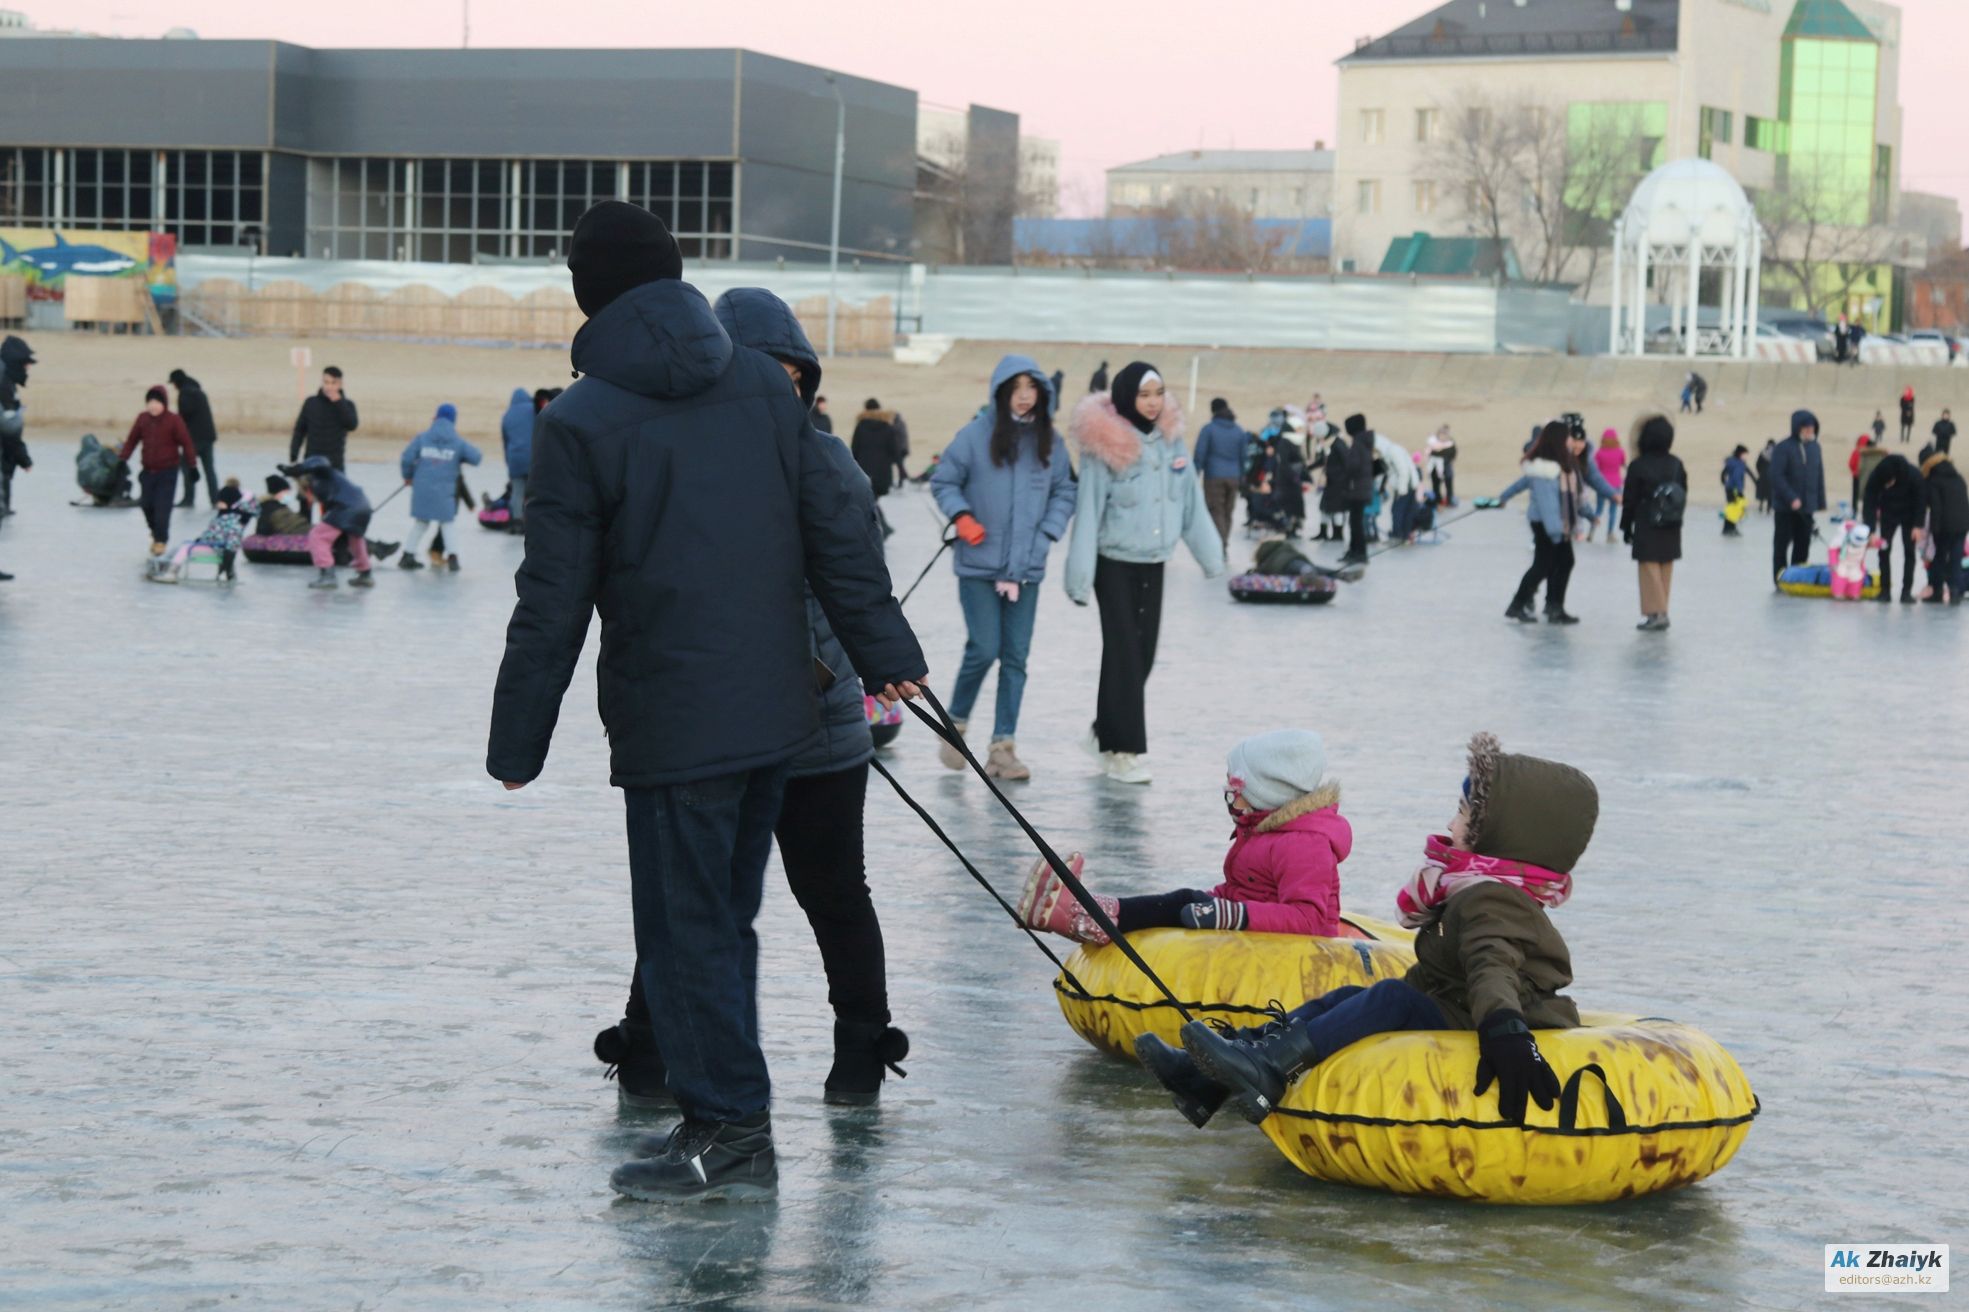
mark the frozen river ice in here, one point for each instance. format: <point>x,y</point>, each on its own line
<point>297,1002</point>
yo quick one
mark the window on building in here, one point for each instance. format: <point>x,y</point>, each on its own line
<point>1372,123</point>
<point>201,197</point>
<point>1610,146</point>
<point>1369,196</point>
<point>1427,124</point>
<point>1713,129</point>
<point>1883,184</point>
<point>1425,197</point>
<point>1765,134</point>
<point>214,197</point>
<point>1827,98</point>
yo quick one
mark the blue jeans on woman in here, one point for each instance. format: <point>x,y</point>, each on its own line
<point>995,630</point>
<point>1349,1014</point>
<point>1603,505</point>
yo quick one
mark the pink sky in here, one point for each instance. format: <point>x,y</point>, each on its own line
<point>1111,83</point>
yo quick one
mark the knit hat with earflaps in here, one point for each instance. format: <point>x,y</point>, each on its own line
<point>1526,809</point>
<point>1274,768</point>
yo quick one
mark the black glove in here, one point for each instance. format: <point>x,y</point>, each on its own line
<point>1510,1057</point>
<point>1218,913</point>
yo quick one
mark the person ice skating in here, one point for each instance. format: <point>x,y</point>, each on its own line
<point>15,357</point>
<point>1008,490</point>
<point>1907,413</point>
<point>679,490</point>
<point>820,829</point>
<point>324,424</point>
<point>1610,462</point>
<point>343,509</point>
<point>1736,481</point>
<point>195,408</point>
<point>276,517</point>
<point>1944,432</point>
<point>430,470</point>
<point>1552,478</point>
<point>1138,501</point>
<point>1220,463</point>
<point>1895,504</point>
<point>167,446</point>
<point>1656,495</point>
<point>1947,499</point>
<point>1099,382</point>
<point>223,534</point>
<point>1797,484</point>
<point>1487,956</point>
<point>1281,875</point>
<point>516,444</point>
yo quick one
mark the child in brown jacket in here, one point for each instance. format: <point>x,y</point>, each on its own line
<point>1487,956</point>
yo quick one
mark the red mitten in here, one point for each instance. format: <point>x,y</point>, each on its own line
<point>969,529</point>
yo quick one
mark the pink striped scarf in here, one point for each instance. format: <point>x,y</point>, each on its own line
<point>1448,869</point>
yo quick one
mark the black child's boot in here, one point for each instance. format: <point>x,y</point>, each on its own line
<point>1196,1096</point>
<point>1256,1072</point>
<point>630,1053</point>
<point>861,1050</point>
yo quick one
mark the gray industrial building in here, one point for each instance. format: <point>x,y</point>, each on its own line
<point>449,155</point>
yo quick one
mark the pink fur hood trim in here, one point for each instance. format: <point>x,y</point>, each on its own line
<point>1100,431</point>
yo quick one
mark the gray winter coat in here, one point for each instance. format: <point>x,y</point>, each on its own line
<point>1024,507</point>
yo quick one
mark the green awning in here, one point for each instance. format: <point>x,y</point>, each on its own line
<point>1450,257</point>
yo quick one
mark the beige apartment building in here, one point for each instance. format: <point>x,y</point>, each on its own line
<point>1266,184</point>
<point>1765,88</point>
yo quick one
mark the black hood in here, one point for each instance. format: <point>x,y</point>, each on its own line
<point>15,356</point>
<point>659,340</point>
<point>753,317</point>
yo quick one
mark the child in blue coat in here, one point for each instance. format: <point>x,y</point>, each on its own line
<point>430,470</point>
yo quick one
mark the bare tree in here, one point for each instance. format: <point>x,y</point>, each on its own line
<point>1474,158</point>
<point>1815,231</point>
<point>1203,234</point>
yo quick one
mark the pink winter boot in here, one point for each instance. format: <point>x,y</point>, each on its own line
<point>1047,905</point>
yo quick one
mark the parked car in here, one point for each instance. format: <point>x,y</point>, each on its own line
<point>1936,337</point>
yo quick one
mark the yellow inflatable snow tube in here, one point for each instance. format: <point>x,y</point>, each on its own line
<point>1227,977</point>
<point>1648,1104</point>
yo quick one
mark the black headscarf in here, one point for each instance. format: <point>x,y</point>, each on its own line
<point>1126,384</point>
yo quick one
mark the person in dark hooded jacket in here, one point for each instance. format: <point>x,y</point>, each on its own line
<point>1894,503</point>
<point>820,822</point>
<point>1797,483</point>
<point>1357,455</point>
<point>15,357</point>
<point>344,510</point>
<point>1947,498</point>
<point>679,490</point>
<point>195,408</point>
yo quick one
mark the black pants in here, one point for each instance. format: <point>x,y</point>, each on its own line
<point>1357,531</point>
<point>1551,564</point>
<point>1791,540</point>
<point>820,844</point>
<point>7,468</point>
<point>1156,910</point>
<point>1888,528</point>
<point>1907,427</point>
<point>156,489</point>
<point>1443,483</point>
<point>1945,571</point>
<point>1130,598</point>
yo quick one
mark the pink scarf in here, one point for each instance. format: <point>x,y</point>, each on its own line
<point>1448,869</point>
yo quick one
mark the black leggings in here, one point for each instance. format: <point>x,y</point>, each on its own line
<point>1156,910</point>
<point>1130,598</point>
<point>1909,556</point>
<point>820,844</point>
<point>1551,564</point>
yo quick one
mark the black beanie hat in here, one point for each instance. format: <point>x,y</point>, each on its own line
<point>1218,405</point>
<point>1126,384</point>
<point>618,246</point>
<point>276,485</point>
<point>1356,425</point>
<point>159,395</point>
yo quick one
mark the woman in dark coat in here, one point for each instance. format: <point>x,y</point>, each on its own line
<point>1651,515</point>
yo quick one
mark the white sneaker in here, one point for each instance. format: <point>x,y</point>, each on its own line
<point>1127,768</point>
<point>951,758</point>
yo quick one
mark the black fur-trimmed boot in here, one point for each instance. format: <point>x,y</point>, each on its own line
<point>1255,1071</point>
<point>861,1050</point>
<point>630,1053</point>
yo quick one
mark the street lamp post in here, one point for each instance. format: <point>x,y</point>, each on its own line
<point>834,235</point>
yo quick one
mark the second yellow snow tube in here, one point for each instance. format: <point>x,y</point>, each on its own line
<point>1229,977</point>
<point>1649,1105</point>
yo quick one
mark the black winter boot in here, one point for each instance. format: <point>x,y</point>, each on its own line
<point>861,1049</point>
<point>1196,1096</point>
<point>706,1159</point>
<point>629,1052</point>
<point>1255,1072</point>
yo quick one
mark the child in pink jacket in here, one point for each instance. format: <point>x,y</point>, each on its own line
<point>1281,876</point>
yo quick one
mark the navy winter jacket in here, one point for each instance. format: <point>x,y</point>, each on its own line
<point>754,317</point>
<point>679,490</point>
<point>1025,506</point>
<point>516,433</point>
<point>1220,449</point>
<point>343,504</point>
<point>1798,474</point>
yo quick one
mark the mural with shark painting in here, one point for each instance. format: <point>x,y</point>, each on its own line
<point>47,258</point>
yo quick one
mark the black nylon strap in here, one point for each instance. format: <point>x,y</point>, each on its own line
<point>948,539</point>
<point>941,725</point>
<point>1569,1101</point>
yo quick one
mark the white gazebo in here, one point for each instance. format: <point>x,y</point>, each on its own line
<point>1687,216</point>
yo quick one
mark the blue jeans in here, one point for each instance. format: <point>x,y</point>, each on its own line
<point>697,865</point>
<point>995,630</point>
<point>1350,1014</point>
<point>1604,505</point>
<point>1402,516</point>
